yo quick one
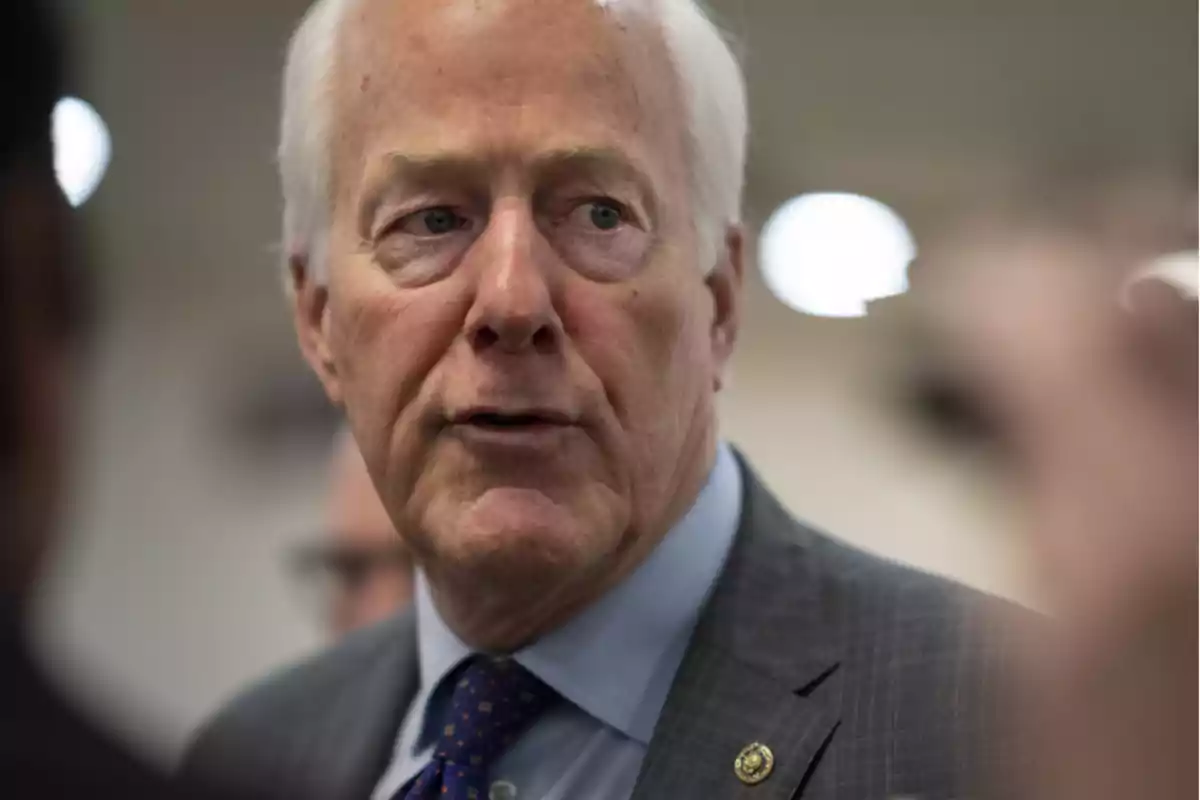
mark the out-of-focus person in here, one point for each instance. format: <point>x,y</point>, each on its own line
<point>47,748</point>
<point>1080,354</point>
<point>358,571</point>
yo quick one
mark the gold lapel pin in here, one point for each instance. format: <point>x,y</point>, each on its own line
<point>754,763</point>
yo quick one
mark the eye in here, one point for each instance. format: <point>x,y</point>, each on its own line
<point>600,238</point>
<point>605,215</point>
<point>433,221</point>
<point>600,214</point>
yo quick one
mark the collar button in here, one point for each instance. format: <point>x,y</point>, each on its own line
<point>502,790</point>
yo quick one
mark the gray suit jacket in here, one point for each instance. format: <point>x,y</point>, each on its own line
<point>867,680</point>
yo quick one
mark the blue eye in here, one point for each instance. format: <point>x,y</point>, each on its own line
<point>433,221</point>
<point>605,215</point>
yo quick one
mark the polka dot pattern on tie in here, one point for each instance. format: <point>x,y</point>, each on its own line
<point>494,701</point>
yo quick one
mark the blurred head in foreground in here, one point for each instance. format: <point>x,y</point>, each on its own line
<point>359,567</point>
<point>39,297</point>
<point>47,748</point>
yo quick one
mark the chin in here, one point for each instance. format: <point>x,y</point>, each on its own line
<point>512,531</point>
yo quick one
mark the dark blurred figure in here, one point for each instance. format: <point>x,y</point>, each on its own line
<point>358,570</point>
<point>47,750</point>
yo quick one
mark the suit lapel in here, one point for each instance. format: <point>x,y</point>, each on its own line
<point>762,643</point>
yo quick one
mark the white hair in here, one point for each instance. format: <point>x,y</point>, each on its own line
<point>709,76</point>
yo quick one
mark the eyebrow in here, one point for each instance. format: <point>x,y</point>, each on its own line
<point>423,169</point>
<point>593,161</point>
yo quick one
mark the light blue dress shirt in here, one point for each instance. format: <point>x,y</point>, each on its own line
<point>613,663</point>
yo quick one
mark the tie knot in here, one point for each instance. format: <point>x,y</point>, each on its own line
<point>494,701</point>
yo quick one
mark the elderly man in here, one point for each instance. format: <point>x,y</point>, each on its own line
<point>512,232</point>
<point>362,571</point>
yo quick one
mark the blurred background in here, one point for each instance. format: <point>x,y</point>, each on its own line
<point>880,131</point>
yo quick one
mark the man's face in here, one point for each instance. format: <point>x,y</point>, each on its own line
<point>515,320</point>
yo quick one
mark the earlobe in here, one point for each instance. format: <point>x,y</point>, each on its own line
<point>310,312</point>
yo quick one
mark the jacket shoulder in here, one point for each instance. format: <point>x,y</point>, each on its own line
<point>263,726</point>
<point>936,661</point>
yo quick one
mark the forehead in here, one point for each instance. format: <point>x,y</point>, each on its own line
<point>504,79</point>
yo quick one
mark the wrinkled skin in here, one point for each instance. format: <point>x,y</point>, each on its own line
<point>512,233</point>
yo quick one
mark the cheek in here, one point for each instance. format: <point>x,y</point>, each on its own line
<point>386,343</point>
<point>645,344</point>
<point>670,332</point>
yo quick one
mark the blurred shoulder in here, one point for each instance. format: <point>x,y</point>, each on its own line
<point>292,689</point>
<point>368,669</point>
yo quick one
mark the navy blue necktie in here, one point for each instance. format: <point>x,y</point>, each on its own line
<point>494,701</point>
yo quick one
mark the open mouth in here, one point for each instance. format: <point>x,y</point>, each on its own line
<point>491,420</point>
<point>488,419</point>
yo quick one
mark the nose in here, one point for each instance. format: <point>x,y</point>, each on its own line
<point>513,309</point>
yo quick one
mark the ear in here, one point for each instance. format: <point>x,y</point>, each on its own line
<point>725,284</point>
<point>310,315</point>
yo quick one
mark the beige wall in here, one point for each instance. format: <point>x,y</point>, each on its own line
<point>811,403</point>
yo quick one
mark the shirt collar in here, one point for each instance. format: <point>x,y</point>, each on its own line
<point>617,658</point>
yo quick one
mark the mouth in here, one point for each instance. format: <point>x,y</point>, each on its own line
<point>511,420</point>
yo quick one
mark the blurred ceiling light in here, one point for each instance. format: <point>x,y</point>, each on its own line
<point>1181,270</point>
<point>829,253</point>
<point>81,148</point>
